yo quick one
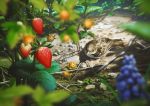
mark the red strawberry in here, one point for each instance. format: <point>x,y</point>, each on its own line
<point>44,56</point>
<point>37,24</point>
<point>25,50</point>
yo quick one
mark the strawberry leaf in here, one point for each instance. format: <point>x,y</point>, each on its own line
<point>25,69</point>
<point>39,4</point>
<point>71,31</point>
<point>25,64</point>
<point>14,33</point>
<point>45,80</point>
<point>54,68</point>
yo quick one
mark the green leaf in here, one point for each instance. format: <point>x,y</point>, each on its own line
<point>22,70</point>
<point>87,1</point>
<point>39,4</point>
<point>54,68</point>
<point>80,9</point>
<point>84,34</point>
<point>12,38</point>
<point>70,4</point>
<point>71,31</point>
<point>57,25</point>
<point>81,1</point>
<point>2,17</point>
<point>67,5</point>
<point>47,99</point>
<point>7,96</point>
<point>14,33</point>
<point>57,7</point>
<point>25,64</point>
<point>6,103</point>
<point>74,15</point>
<point>40,67</point>
<point>140,29</point>
<point>144,5</point>
<point>57,96</point>
<point>38,94</point>
<point>12,26</point>
<point>15,92</point>
<point>91,1</point>
<point>90,34</point>
<point>75,37</point>
<point>3,4</point>
<point>45,80</point>
<point>93,9</point>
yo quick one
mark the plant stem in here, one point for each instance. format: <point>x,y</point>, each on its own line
<point>86,6</point>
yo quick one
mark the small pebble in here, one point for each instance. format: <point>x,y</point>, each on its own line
<point>88,87</point>
<point>114,75</point>
<point>103,86</point>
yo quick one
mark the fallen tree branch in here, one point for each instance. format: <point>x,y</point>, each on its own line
<point>73,85</point>
<point>97,68</point>
<point>100,66</point>
<point>64,56</point>
<point>4,82</point>
<point>63,87</point>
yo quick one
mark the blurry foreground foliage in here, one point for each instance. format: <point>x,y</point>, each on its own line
<point>140,29</point>
<point>16,96</point>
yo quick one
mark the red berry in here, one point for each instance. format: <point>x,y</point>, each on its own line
<point>25,49</point>
<point>44,56</point>
<point>37,24</point>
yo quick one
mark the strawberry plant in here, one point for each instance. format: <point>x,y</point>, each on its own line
<point>23,35</point>
<point>31,64</point>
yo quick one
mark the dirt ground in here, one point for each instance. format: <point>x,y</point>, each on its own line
<point>108,29</point>
<point>111,40</point>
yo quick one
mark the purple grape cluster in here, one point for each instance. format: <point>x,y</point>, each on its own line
<point>129,60</point>
<point>130,83</point>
